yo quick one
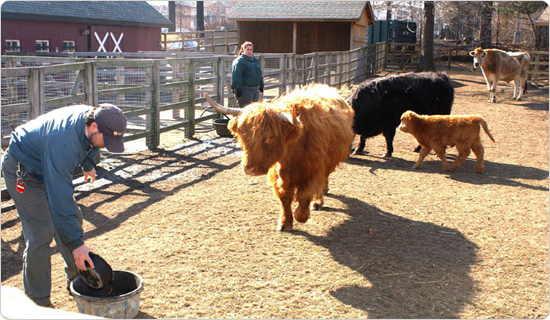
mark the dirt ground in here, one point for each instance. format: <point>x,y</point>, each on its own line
<point>391,241</point>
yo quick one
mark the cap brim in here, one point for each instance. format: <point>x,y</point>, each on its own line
<point>113,144</point>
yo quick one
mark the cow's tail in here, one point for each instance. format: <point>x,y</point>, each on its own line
<point>485,128</point>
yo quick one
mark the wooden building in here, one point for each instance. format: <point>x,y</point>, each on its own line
<point>302,26</point>
<point>88,26</point>
<point>542,30</point>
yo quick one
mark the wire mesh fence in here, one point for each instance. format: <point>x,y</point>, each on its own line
<point>163,94</point>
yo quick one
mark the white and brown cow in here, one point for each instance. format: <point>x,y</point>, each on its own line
<point>498,65</point>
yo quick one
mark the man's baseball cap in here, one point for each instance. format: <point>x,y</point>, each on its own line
<point>112,123</point>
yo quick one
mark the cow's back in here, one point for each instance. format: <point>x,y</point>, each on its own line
<point>504,65</point>
<point>378,104</point>
<point>326,134</point>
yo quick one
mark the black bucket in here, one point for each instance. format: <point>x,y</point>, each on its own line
<point>221,127</point>
<point>118,300</point>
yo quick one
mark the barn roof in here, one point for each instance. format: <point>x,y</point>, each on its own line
<point>129,13</point>
<point>299,10</point>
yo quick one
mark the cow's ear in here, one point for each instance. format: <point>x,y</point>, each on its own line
<point>232,125</point>
<point>483,54</point>
<point>472,53</point>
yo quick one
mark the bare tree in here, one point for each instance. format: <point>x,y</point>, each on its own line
<point>427,46</point>
<point>389,6</point>
<point>485,25</point>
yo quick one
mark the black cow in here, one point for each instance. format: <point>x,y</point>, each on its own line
<point>379,103</point>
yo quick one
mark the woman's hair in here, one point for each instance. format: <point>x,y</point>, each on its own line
<point>244,45</point>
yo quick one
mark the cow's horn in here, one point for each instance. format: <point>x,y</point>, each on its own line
<point>290,118</point>
<point>220,108</point>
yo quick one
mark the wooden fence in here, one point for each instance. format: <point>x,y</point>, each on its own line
<point>166,93</point>
<point>159,95</point>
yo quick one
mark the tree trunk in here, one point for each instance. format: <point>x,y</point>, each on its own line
<point>486,22</point>
<point>427,47</point>
<point>172,15</point>
<point>200,16</point>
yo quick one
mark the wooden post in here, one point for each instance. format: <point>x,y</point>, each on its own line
<point>221,80</point>
<point>385,62</point>
<point>190,109</point>
<point>329,68</point>
<point>535,72</point>
<point>283,68</point>
<point>294,36</point>
<point>176,96</point>
<point>340,56</point>
<point>89,83</point>
<point>226,41</point>
<point>294,67</point>
<point>153,138</point>
<point>34,92</point>
<point>213,47</point>
<point>316,62</point>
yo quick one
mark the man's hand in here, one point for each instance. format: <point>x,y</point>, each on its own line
<point>80,255</point>
<point>89,174</point>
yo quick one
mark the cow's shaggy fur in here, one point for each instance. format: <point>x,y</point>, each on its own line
<point>298,158</point>
<point>437,132</point>
<point>379,103</point>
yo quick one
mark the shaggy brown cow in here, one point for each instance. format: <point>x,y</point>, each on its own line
<point>436,132</point>
<point>298,140</point>
<point>498,65</point>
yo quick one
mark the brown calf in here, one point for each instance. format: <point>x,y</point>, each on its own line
<point>437,132</point>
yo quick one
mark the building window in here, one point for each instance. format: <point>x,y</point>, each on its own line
<point>12,46</point>
<point>68,46</point>
<point>42,46</point>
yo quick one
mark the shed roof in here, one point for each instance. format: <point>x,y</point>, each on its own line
<point>543,19</point>
<point>130,13</point>
<point>298,10</point>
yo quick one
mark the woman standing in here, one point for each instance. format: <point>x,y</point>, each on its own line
<point>247,80</point>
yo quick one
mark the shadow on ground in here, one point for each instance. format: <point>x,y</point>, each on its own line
<point>121,175</point>
<point>421,267</point>
<point>494,172</point>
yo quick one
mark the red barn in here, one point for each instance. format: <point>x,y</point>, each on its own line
<point>83,26</point>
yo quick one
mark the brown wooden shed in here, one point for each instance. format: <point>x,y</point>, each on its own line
<point>542,30</point>
<point>303,26</point>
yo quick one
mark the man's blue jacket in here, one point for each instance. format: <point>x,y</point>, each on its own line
<point>50,148</point>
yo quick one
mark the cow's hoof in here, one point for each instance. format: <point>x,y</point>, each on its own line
<point>284,228</point>
<point>317,205</point>
<point>387,155</point>
<point>356,152</point>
